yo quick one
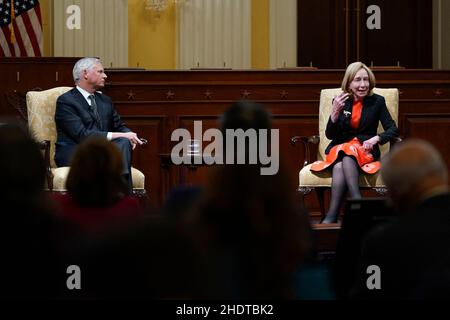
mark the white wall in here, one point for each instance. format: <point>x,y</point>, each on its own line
<point>283,33</point>
<point>103,33</point>
<point>441,34</point>
<point>214,34</point>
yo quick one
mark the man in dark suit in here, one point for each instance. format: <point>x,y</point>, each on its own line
<point>85,112</point>
<point>412,253</point>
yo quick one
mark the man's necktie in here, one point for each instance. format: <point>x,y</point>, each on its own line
<point>95,109</point>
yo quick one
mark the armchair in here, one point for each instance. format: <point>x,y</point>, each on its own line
<point>41,107</point>
<point>320,181</point>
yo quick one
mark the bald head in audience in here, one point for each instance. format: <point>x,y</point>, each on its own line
<point>414,171</point>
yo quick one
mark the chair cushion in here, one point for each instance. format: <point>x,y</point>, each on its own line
<point>60,176</point>
<point>41,106</point>
<point>138,178</point>
<point>307,178</point>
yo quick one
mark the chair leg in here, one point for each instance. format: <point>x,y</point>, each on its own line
<point>320,198</point>
<point>143,198</point>
<point>304,191</point>
<point>49,176</point>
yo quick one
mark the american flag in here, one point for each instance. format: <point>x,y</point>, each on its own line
<point>21,28</point>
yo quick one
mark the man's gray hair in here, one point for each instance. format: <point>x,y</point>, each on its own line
<point>420,159</point>
<point>83,64</point>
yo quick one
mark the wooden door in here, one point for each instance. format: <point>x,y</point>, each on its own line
<point>321,33</point>
<point>405,34</point>
<point>332,34</point>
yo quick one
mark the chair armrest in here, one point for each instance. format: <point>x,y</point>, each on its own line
<point>306,141</point>
<point>394,141</point>
<point>45,146</point>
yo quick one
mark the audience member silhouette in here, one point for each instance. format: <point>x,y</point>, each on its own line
<point>181,200</point>
<point>30,238</point>
<point>96,196</point>
<point>152,258</point>
<point>252,233</point>
<point>126,254</point>
<point>412,253</point>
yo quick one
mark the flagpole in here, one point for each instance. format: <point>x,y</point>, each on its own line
<point>13,16</point>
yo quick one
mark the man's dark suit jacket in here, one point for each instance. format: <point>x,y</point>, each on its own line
<point>76,121</point>
<point>413,254</point>
<point>374,111</point>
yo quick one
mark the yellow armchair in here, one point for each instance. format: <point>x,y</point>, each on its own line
<point>320,181</point>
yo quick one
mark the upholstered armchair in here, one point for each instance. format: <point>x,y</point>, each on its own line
<point>321,181</point>
<point>41,107</point>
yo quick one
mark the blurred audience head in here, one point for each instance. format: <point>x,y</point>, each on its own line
<point>245,115</point>
<point>247,124</point>
<point>413,170</point>
<point>151,259</point>
<point>253,230</point>
<point>22,174</point>
<point>29,230</point>
<point>95,178</point>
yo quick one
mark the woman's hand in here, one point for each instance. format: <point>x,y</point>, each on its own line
<point>368,144</point>
<point>338,104</point>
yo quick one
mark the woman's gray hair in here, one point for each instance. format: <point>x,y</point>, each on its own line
<point>83,64</point>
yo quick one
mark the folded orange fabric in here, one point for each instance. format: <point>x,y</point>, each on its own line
<point>351,148</point>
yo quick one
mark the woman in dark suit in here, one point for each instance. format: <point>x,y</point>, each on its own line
<point>352,129</point>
